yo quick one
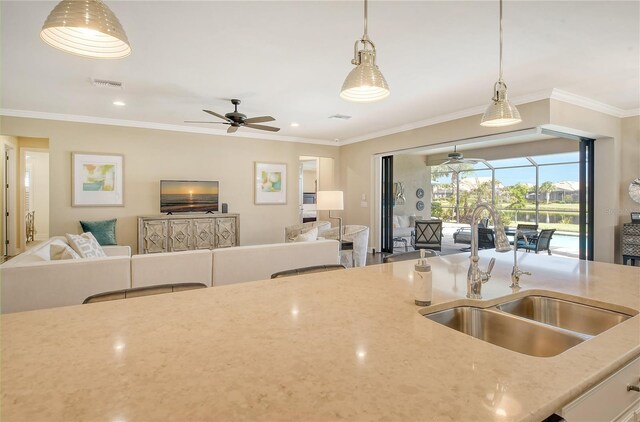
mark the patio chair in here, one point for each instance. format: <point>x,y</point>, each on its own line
<point>486,238</point>
<point>463,234</point>
<point>428,235</point>
<point>540,243</point>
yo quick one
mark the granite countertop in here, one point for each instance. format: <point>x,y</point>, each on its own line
<point>339,345</point>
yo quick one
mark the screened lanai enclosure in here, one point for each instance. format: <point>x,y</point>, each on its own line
<point>536,189</point>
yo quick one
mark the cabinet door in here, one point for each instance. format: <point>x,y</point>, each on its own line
<point>225,232</point>
<point>621,403</point>
<point>204,234</point>
<point>154,236</point>
<point>179,235</point>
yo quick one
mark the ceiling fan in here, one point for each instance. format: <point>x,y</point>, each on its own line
<point>456,157</point>
<point>236,119</point>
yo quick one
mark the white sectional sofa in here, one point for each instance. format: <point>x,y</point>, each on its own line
<point>31,281</point>
<point>248,263</point>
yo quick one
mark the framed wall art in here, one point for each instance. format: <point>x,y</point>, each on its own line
<point>270,183</point>
<point>97,180</point>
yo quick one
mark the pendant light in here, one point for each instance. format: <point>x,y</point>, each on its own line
<point>87,28</point>
<point>365,83</point>
<point>500,112</point>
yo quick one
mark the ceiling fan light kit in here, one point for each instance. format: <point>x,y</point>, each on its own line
<point>365,83</point>
<point>86,28</point>
<point>500,111</point>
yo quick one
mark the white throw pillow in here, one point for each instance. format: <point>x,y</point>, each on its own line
<point>403,220</point>
<point>395,223</point>
<point>306,237</point>
<point>59,252</point>
<point>85,245</point>
<point>44,251</point>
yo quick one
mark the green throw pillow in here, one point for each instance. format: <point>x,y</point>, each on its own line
<point>103,231</point>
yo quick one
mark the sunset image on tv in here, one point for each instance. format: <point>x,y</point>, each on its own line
<point>188,196</point>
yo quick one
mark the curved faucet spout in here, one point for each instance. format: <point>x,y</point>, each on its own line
<point>475,276</point>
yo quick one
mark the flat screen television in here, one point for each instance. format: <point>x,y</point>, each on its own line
<point>188,196</point>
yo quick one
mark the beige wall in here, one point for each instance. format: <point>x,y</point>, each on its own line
<point>25,143</point>
<point>152,155</point>
<point>607,171</point>
<point>412,171</point>
<point>39,188</point>
<point>309,180</point>
<point>629,165</point>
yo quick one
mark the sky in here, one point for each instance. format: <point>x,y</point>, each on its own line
<point>551,173</point>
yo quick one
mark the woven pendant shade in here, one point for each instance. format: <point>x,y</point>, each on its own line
<point>365,82</point>
<point>87,28</point>
<point>500,112</point>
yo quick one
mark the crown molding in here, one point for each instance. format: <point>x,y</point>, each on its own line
<point>588,103</point>
<point>554,94</point>
<point>152,125</point>
<point>473,111</point>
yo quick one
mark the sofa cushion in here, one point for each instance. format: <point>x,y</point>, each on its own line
<point>85,245</point>
<point>60,252</point>
<point>403,221</point>
<point>308,236</point>
<point>104,231</point>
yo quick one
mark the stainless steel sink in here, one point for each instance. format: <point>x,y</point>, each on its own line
<point>564,314</point>
<point>504,330</point>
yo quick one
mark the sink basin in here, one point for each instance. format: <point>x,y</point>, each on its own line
<point>508,331</point>
<point>561,313</point>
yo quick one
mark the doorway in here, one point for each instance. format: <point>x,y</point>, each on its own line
<point>308,188</point>
<point>34,195</point>
<point>547,181</point>
<point>9,203</point>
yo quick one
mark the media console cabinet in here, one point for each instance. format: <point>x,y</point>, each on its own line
<point>185,232</point>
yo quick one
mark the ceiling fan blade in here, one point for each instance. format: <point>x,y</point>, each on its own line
<point>259,119</point>
<point>213,113</point>
<point>262,127</point>
<point>232,129</point>
<point>215,123</point>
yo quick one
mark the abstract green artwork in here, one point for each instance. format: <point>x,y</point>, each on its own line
<point>98,177</point>
<point>98,180</point>
<point>271,181</point>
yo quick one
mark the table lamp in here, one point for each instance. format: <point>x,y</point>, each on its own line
<point>331,200</point>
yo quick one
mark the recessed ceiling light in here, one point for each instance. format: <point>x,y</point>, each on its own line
<point>119,103</point>
<point>294,124</point>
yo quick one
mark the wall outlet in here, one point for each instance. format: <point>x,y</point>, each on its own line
<point>364,204</point>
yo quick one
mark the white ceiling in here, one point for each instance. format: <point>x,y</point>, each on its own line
<point>288,59</point>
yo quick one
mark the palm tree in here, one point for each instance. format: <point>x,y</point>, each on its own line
<point>547,188</point>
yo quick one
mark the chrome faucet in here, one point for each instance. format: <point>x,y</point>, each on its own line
<point>475,276</point>
<point>515,271</point>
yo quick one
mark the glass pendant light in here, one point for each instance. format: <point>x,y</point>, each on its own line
<point>87,28</point>
<point>500,112</point>
<point>365,82</point>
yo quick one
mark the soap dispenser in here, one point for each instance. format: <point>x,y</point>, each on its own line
<point>422,283</point>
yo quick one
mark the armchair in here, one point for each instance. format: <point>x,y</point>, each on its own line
<point>428,235</point>
<point>291,232</point>
<point>358,235</point>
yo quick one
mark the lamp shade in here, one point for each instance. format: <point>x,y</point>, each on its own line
<point>87,28</point>
<point>365,83</point>
<point>500,111</point>
<point>330,200</point>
